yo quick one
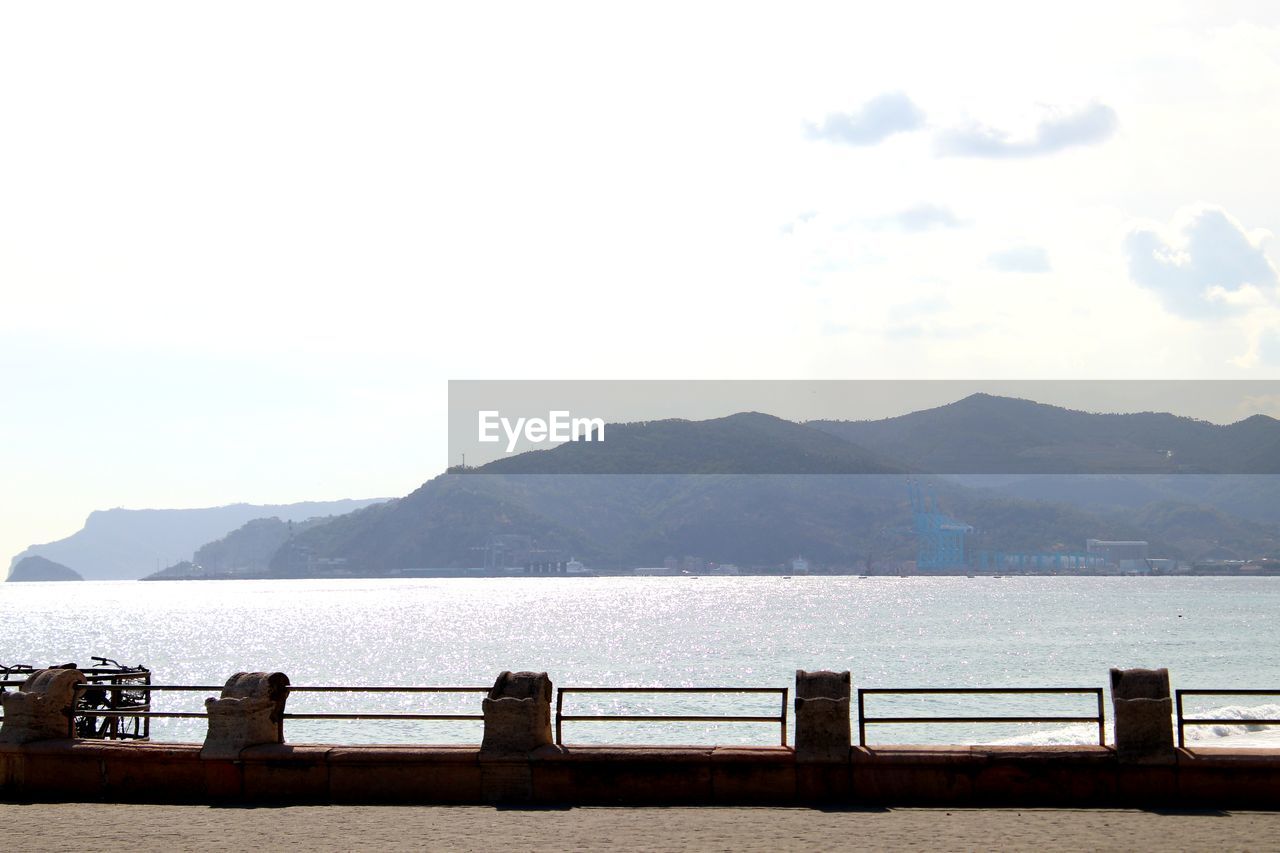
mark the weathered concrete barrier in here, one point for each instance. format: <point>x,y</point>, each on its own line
<point>249,712</point>
<point>97,771</point>
<point>1143,714</point>
<point>823,734</point>
<point>517,721</point>
<point>517,714</point>
<point>41,709</point>
<point>823,730</point>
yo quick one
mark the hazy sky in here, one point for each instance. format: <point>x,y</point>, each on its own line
<point>243,246</point>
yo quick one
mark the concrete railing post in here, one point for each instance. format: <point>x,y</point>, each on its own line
<point>823,731</point>
<point>1143,711</point>
<point>517,714</point>
<point>42,708</point>
<point>249,712</point>
<point>824,772</point>
<point>517,720</point>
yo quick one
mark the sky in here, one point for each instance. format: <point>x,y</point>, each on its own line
<point>244,246</point>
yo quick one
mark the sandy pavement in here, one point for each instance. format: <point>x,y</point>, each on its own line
<point>64,826</point>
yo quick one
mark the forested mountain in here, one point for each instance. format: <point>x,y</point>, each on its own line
<point>745,443</point>
<point>245,551</point>
<point>982,434</point>
<point>755,490</point>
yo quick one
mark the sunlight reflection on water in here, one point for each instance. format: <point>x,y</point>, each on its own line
<point>709,631</point>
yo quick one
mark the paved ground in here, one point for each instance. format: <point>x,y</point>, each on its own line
<point>95,826</point>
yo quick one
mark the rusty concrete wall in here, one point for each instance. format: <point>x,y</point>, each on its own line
<point>989,776</point>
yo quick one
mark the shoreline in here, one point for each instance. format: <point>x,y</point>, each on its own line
<point>463,574</point>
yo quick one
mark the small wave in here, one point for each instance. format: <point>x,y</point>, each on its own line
<point>1233,712</point>
<point>1065,736</point>
<point>1254,734</point>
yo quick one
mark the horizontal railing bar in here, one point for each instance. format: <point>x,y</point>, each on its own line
<point>96,712</point>
<point>1251,692</point>
<point>671,718</point>
<point>107,712</point>
<point>370,716</point>
<point>871,720</point>
<point>978,690</point>
<point>91,683</point>
<point>329,689</point>
<point>372,689</point>
<point>384,716</point>
<point>295,689</point>
<point>673,689</point>
<point>191,687</point>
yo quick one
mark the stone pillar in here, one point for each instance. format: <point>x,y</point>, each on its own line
<point>822,716</point>
<point>517,714</point>
<point>1143,713</point>
<point>42,708</point>
<point>824,772</point>
<point>249,712</point>
<point>517,720</point>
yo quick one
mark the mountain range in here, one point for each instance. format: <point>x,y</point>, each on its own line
<point>117,544</point>
<point>756,490</point>
<point>1003,435</point>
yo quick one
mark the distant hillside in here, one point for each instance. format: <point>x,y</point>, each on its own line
<point>756,490</point>
<point>1000,435</point>
<point>245,551</point>
<point>40,569</point>
<point>852,512</point>
<point>1251,497</point>
<point>616,502</point>
<point>129,543</point>
<point>745,443</point>
<point>441,524</point>
<point>609,520</point>
<point>612,521</point>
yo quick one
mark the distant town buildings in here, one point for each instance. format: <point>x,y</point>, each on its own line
<point>1126,555</point>
<point>687,565</point>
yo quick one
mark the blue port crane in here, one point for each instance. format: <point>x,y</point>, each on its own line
<point>940,537</point>
<point>941,544</point>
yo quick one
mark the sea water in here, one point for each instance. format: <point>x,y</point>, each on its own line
<point>890,632</point>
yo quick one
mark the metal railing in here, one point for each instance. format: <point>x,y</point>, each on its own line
<point>117,691</point>
<point>1183,720</point>
<point>378,716</point>
<point>780,719</point>
<point>141,712</point>
<point>863,720</point>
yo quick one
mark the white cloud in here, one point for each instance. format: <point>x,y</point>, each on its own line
<point>925,217</point>
<point>1020,259</point>
<point>1088,125</point>
<point>875,121</point>
<point>1205,265</point>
